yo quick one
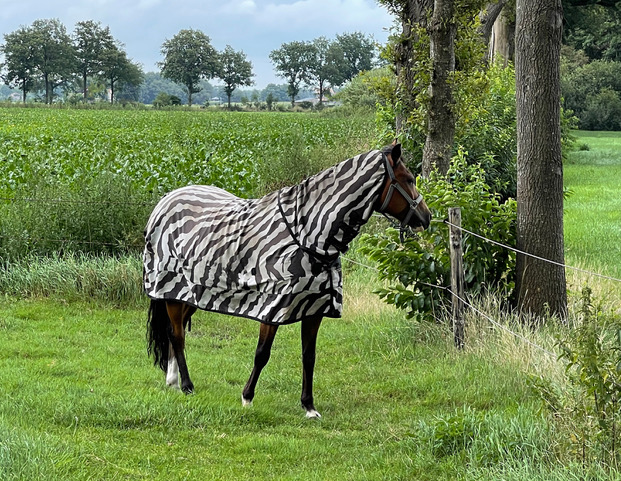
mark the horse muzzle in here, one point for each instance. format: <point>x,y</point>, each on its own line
<point>416,215</point>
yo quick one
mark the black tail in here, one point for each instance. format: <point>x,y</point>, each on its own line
<point>158,325</point>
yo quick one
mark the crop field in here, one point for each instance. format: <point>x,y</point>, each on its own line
<point>158,151</point>
<point>80,400</point>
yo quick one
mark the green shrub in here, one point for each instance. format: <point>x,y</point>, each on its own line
<point>588,405</point>
<point>486,127</point>
<point>419,267</point>
<point>588,88</point>
<point>602,111</point>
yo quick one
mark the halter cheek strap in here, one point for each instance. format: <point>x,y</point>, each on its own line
<point>394,185</point>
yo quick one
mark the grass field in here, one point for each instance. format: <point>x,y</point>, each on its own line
<point>80,400</point>
<point>593,210</point>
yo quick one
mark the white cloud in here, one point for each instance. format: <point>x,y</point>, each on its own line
<point>318,15</point>
<point>239,7</point>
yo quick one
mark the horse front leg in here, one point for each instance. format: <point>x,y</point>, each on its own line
<point>178,314</point>
<point>261,356</point>
<point>310,328</point>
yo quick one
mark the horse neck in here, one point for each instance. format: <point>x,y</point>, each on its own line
<point>327,210</point>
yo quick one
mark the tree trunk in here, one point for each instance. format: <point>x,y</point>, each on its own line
<point>85,90</point>
<point>48,94</point>
<point>540,286</point>
<point>502,42</point>
<point>488,18</point>
<point>413,15</point>
<point>441,116</point>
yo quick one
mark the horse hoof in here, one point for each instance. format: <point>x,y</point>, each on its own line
<point>188,389</point>
<point>246,402</point>
<point>312,414</point>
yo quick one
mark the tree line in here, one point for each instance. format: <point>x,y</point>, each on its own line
<point>45,57</point>
<point>320,63</point>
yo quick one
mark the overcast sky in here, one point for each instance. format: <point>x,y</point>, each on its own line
<point>255,26</point>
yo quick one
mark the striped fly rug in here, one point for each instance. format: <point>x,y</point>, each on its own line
<point>273,259</point>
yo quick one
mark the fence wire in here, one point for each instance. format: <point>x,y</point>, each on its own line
<point>518,251</point>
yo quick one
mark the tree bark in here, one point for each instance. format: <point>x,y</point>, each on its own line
<point>488,17</point>
<point>502,41</point>
<point>491,17</point>
<point>441,116</point>
<point>412,14</point>
<point>540,286</point>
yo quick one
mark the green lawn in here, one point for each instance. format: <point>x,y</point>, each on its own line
<point>80,400</point>
<point>593,210</point>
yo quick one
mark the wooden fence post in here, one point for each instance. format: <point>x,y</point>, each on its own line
<point>457,276</point>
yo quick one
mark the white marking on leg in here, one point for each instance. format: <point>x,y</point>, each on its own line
<point>172,370</point>
<point>312,414</point>
<point>245,402</point>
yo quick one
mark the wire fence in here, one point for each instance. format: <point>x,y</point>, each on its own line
<point>484,315</point>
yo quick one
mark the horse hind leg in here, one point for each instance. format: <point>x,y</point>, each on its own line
<point>172,371</point>
<point>261,357</point>
<point>310,328</point>
<point>178,313</point>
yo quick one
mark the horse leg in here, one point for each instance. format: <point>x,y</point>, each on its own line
<point>261,356</point>
<point>172,371</point>
<point>178,313</point>
<point>310,328</point>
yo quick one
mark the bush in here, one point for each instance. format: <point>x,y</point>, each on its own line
<point>602,111</point>
<point>420,266</point>
<point>587,88</point>
<point>165,100</point>
<point>588,405</point>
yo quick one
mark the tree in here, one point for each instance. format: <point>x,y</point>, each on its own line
<point>116,67</point>
<point>540,286</point>
<point>358,52</point>
<point>326,65</point>
<point>593,27</point>
<point>292,61</point>
<point>91,40</point>
<point>20,66</point>
<point>188,59</point>
<point>413,15</point>
<point>54,55</point>
<point>235,71</point>
<point>441,115</point>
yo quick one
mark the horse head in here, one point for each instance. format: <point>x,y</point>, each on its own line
<point>400,197</point>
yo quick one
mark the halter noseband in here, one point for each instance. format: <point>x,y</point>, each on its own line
<point>394,185</point>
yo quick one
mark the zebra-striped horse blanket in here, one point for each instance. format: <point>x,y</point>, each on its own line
<point>273,259</point>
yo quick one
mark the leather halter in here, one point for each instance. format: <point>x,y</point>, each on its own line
<point>394,185</point>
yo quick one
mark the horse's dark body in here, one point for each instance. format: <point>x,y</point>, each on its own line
<point>173,300</point>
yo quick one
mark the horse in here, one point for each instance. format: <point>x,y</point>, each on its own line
<point>275,259</point>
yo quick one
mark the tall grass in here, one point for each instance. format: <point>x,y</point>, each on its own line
<point>76,277</point>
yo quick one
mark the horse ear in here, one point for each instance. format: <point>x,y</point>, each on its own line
<point>395,153</point>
